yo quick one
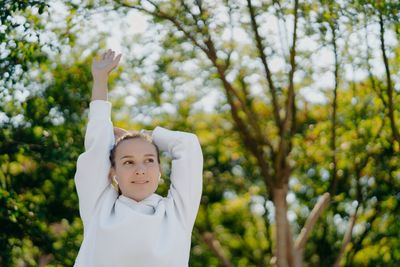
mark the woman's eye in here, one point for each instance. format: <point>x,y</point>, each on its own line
<point>151,160</point>
<point>128,162</point>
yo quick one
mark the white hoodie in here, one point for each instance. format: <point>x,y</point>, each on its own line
<point>119,231</point>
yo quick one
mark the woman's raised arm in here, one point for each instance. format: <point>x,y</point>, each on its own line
<point>186,170</point>
<point>101,68</point>
<point>93,165</point>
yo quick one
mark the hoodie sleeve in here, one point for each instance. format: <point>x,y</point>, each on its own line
<point>186,170</point>
<point>93,165</point>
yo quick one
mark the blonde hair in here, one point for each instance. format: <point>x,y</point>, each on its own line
<point>132,135</point>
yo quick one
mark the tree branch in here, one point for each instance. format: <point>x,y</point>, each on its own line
<point>334,180</point>
<point>349,231</point>
<point>367,58</point>
<point>245,134</point>
<point>264,61</point>
<point>282,32</point>
<point>288,125</point>
<point>346,238</point>
<point>322,203</point>
<point>216,248</point>
<point>368,227</point>
<point>289,121</point>
<point>395,131</point>
<point>211,53</point>
<point>252,115</point>
<point>162,15</point>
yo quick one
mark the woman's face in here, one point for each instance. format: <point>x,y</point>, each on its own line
<point>136,168</point>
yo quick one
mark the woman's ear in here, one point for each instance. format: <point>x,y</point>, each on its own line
<point>111,173</point>
<point>112,178</point>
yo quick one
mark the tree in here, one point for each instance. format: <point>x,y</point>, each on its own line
<point>270,121</point>
<point>270,147</point>
<point>41,106</point>
<point>271,152</point>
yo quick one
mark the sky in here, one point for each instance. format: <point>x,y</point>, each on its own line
<point>116,26</point>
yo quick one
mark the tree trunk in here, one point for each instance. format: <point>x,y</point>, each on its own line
<point>281,233</point>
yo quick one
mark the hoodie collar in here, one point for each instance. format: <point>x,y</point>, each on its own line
<point>147,205</point>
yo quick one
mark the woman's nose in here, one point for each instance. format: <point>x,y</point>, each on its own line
<point>140,170</point>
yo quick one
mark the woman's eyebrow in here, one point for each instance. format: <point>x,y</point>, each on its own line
<point>131,156</point>
<point>127,156</point>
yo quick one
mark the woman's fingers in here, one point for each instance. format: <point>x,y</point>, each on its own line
<point>116,60</point>
<point>118,132</point>
<point>110,54</point>
<point>106,54</point>
<point>106,63</point>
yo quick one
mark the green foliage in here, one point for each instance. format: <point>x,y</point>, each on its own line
<point>42,121</point>
<point>21,52</point>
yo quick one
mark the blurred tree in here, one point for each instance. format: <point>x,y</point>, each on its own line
<point>18,213</point>
<point>199,25</point>
<point>264,73</point>
<point>42,101</point>
<point>19,37</point>
<point>270,150</point>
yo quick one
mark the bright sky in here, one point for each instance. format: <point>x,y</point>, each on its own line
<point>134,22</point>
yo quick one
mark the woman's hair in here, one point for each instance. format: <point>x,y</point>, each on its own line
<point>132,135</point>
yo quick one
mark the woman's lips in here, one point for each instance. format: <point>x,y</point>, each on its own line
<point>140,182</point>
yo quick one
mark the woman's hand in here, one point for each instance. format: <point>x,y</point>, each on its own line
<point>103,66</point>
<point>100,70</point>
<point>119,132</point>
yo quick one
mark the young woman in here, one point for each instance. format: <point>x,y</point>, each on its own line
<point>133,226</point>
